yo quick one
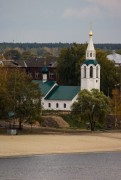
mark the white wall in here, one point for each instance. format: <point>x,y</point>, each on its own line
<point>61,103</point>
<point>90,83</point>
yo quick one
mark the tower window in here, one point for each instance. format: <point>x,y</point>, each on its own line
<point>91,72</point>
<point>84,71</point>
<point>97,72</point>
<point>90,54</point>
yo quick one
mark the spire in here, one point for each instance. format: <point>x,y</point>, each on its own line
<point>90,52</point>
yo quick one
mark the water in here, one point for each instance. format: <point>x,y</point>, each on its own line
<point>78,166</point>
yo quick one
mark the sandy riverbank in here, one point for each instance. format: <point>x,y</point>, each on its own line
<point>44,144</point>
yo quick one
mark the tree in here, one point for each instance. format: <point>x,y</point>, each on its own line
<point>108,75</point>
<point>20,95</point>
<point>28,55</point>
<point>68,66</point>
<point>4,94</point>
<point>12,54</point>
<point>25,96</point>
<point>92,106</point>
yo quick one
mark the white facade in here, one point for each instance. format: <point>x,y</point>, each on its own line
<point>90,77</point>
<point>90,70</point>
<point>63,105</point>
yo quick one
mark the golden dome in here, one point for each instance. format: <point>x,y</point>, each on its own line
<point>90,33</point>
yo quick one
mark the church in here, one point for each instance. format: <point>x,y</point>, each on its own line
<point>59,97</point>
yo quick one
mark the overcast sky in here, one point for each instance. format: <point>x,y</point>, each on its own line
<point>46,21</point>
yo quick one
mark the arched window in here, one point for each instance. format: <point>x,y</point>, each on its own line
<point>91,54</point>
<point>91,72</point>
<point>84,71</point>
<point>64,105</point>
<point>97,72</point>
<point>57,105</point>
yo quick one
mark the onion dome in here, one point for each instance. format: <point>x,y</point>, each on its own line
<point>44,70</point>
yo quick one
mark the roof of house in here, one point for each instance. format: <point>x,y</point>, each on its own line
<point>115,57</point>
<point>7,63</point>
<point>38,62</point>
<point>63,93</point>
<point>44,86</point>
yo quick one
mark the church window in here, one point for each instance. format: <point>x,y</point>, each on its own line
<point>97,72</point>
<point>57,105</point>
<point>84,71</point>
<point>91,72</point>
<point>64,105</point>
<point>90,54</point>
<point>51,75</point>
<point>36,75</point>
<point>49,105</point>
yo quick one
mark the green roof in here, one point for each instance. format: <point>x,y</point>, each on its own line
<point>63,93</point>
<point>90,61</point>
<point>45,69</point>
<point>44,86</point>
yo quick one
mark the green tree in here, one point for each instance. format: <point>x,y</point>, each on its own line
<point>25,96</point>
<point>108,75</point>
<point>28,55</point>
<point>12,54</point>
<point>20,95</point>
<point>68,66</point>
<point>4,93</point>
<point>92,106</point>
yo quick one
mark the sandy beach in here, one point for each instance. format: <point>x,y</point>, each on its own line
<point>20,145</point>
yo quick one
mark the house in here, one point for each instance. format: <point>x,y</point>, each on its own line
<point>33,67</point>
<point>116,58</point>
<point>59,97</point>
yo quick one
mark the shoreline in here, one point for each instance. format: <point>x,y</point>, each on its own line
<point>29,145</point>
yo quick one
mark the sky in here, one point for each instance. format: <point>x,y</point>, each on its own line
<point>66,21</point>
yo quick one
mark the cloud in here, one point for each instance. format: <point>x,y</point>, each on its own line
<point>112,6</point>
<point>81,13</point>
<point>106,3</point>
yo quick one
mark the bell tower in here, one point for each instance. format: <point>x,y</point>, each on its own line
<point>90,69</point>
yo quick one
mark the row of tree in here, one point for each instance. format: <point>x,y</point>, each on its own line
<point>26,46</point>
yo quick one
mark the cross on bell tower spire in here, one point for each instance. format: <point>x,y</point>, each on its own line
<point>90,52</point>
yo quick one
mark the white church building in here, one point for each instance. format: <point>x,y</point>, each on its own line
<point>58,97</point>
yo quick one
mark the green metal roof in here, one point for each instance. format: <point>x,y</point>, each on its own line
<point>63,93</point>
<point>45,69</point>
<point>44,86</point>
<point>90,61</point>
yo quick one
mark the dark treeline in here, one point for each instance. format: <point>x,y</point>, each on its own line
<point>27,46</point>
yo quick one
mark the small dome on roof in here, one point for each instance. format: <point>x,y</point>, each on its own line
<point>44,70</point>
